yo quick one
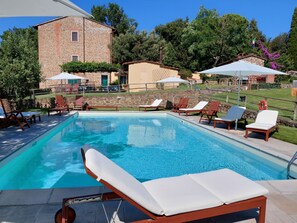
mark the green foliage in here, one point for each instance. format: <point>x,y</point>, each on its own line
<point>138,46</point>
<point>19,67</point>
<point>174,53</point>
<point>184,74</point>
<point>265,86</point>
<point>114,16</point>
<point>211,39</point>
<point>77,66</point>
<point>292,44</point>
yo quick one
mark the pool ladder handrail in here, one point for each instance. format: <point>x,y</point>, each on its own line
<point>289,166</point>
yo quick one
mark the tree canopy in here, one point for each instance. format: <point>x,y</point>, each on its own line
<point>113,15</point>
<point>292,44</point>
<point>19,67</point>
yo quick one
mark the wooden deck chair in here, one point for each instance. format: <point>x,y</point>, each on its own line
<point>68,89</point>
<point>211,112</point>
<point>233,115</point>
<point>61,105</point>
<point>266,122</point>
<point>174,199</point>
<point>196,109</point>
<point>183,103</point>
<point>155,105</point>
<point>13,115</point>
<point>78,102</point>
<point>75,88</point>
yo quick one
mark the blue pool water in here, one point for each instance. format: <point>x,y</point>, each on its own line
<point>147,146</point>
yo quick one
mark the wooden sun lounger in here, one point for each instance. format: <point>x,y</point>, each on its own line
<point>175,199</point>
<point>266,122</point>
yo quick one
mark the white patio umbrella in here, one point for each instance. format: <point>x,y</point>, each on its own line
<point>65,76</point>
<point>173,80</point>
<point>18,8</point>
<point>241,69</point>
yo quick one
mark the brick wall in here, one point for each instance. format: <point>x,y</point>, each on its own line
<point>56,47</point>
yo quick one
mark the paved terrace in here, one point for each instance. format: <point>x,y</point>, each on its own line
<point>40,206</point>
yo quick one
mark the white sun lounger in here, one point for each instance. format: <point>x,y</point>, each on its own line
<point>197,108</point>
<point>266,122</point>
<point>177,199</point>
<point>233,115</point>
<point>155,105</point>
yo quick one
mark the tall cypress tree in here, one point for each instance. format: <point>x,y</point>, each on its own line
<point>292,43</point>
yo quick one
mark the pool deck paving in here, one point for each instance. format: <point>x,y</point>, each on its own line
<point>40,206</point>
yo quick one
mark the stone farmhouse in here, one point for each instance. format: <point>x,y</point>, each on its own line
<point>68,39</point>
<point>252,58</point>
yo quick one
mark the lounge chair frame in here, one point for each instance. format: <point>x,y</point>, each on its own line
<point>257,202</point>
<point>228,122</point>
<point>236,119</point>
<point>211,112</point>
<point>183,103</point>
<point>267,132</point>
<point>61,105</point>
<point>189,111</point>
<point>145,107</point>
<point>14,115</point>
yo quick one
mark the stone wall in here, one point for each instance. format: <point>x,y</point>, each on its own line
<point>134,100</point>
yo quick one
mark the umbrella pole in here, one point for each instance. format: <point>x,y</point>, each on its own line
<point>238,97</point>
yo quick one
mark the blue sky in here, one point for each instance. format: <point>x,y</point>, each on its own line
<point>273,16</point>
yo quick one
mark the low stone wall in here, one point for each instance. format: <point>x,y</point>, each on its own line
<point>134,100</point>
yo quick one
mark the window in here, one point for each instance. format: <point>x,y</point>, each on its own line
<point>74,36</point>
<point>74,58</point>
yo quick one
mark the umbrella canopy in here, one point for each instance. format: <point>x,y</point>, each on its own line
<point>65,76</point>
<point>241,69</point>
<point>15,8</point>
<point>173,80</point>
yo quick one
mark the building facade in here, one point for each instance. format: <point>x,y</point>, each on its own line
<point>142,75</point>
<point>73,39</point>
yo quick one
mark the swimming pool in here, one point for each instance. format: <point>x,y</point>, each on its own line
<point>147,145</point>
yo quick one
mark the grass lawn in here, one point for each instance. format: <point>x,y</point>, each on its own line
<point>277,99</point>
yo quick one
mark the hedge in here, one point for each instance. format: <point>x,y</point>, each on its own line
<point>77,66</point>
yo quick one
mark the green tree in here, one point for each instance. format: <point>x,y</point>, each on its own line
<point>211,39</point>
<point>254,34</point>
<point>138,46</point>
<point>200,37</point>
<point>292,44</point>
<point>113,15</point>
<point>174,53</point>
<point>280,44</point>
<point>19,67</point>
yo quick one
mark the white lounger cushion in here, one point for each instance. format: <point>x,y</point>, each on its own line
<point>181,194</point>
<point>174,195</point>
<point>156,103</point>
<point>266,119</point>
<point>229,186</point>
<point>199,106</point>
<point>262,126</point>
<point>108,171</point>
